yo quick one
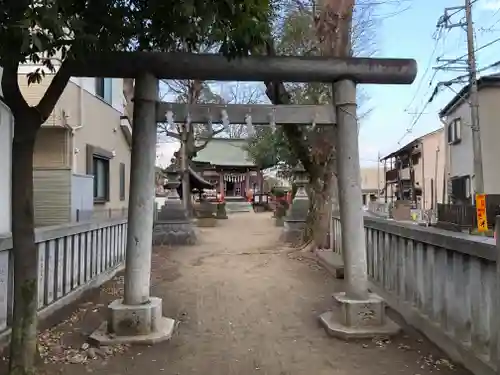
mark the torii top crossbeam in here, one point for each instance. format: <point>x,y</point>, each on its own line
<point>254,68</point>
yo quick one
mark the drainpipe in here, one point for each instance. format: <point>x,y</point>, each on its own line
<point>423,176</point>
<point>447,164</point>
<point>435,189</point>
<point>80,124</point>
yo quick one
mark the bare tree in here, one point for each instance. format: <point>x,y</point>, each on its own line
<point>241,93</point>
<point>193,137</point>
<point>329,28</point>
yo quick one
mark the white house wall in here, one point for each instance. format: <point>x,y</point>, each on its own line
<point>489,114</point>
<point>5,167</point>
<point>1,72</point>
<point>88,84</point>
<point>432,168</point>
<point>461,154</point>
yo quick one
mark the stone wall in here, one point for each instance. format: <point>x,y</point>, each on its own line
<point>443,283</point>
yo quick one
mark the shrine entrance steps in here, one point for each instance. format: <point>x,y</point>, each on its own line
<point>237,204</point>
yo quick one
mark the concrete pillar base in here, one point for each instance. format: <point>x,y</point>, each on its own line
<point>221,213</point>
<point>206,222</point>
<point>293,232</point>
<point>358,319</point>
<point>331,261</point>
<point>259,208</point>
<point>137,324</point>
<point>174,234</point>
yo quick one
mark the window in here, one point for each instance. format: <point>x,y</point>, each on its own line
<point>122,181</point>
<point>460,189</point>
<point>454,131</point>
<point>98,161</point>
<point>104,89</point>
<point>101,178</point>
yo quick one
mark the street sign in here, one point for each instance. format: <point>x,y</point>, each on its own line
<point>482,222</point>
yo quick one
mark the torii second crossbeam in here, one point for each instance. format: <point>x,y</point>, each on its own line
<point>261,114</point>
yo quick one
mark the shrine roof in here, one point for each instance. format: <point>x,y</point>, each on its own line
<point>225,152</point>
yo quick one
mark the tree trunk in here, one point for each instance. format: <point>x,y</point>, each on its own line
<point>321,197</point>
<point>23,347</point>
<point>186,188</point>
<point>187,146</point>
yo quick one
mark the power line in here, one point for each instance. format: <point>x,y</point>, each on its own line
<point>415,120</point>
<point>429,64</point>
<point>448,62</point>
<point>455,80</point>
<point>460,79</point>
<point>467,24</point>
<point>417,115</point>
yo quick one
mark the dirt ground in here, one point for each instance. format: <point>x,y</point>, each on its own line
<point>243,306</point>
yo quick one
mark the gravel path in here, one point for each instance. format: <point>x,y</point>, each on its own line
<point>244,307</point>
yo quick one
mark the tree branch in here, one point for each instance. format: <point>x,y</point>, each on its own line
<point>276,92</point>
<point>49,100</point>
<point>10,87</point>
<point>208,139</point>
<point>170,134</point>
<point>128,93</point>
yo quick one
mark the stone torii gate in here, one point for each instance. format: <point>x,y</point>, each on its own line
<point>138,317</point>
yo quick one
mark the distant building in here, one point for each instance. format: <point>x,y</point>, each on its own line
<point>457,117</point>
<point>225,163</point>
<point>415,172</point>
<point>372,182</point>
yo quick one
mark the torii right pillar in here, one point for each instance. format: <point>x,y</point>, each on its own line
<point>361,313</point>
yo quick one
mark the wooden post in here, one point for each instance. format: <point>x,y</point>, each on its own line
<point>247,182</point>
<point>385,180</point>
<point>221,183</point>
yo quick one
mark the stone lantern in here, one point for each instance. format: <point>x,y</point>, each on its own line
<point>172,225</point>
<point>172,184</point>
<point>295,219</point>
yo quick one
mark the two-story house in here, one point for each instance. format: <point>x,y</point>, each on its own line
<point>82,152</point>
<point>456,116</point>
<point>415,172</point>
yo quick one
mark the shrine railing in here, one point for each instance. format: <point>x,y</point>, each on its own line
<point>71,259</point>
<point>443,283</point>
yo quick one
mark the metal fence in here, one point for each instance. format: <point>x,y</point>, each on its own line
<point>71,258</point>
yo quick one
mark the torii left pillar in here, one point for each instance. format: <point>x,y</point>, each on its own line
<point>138,318</point>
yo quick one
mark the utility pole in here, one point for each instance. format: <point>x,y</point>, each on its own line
<point>474,102</point>
<point>444,21</point>
<point>378,176</point>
